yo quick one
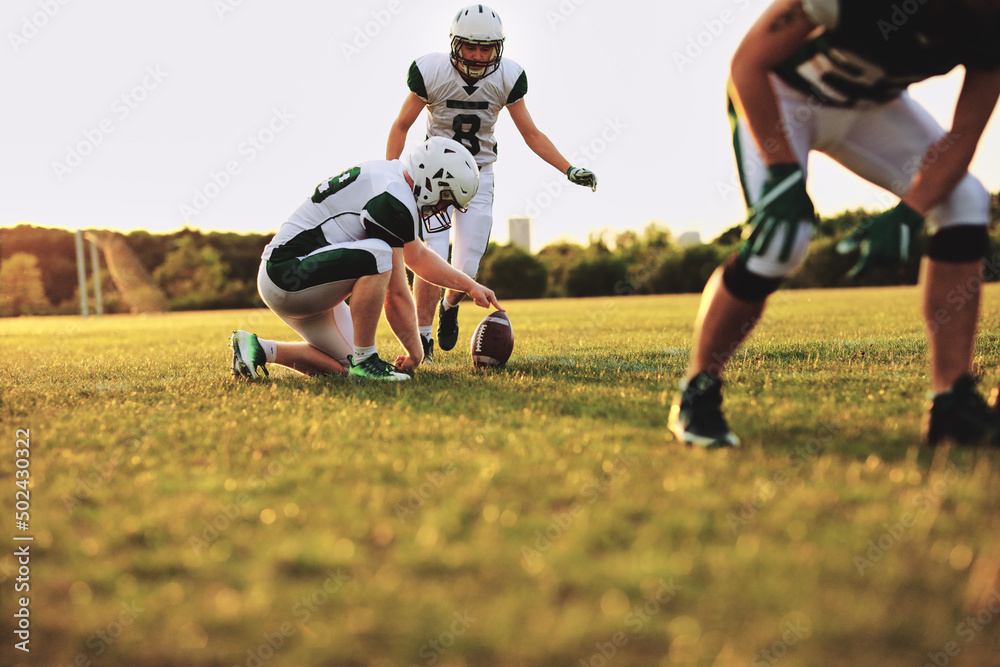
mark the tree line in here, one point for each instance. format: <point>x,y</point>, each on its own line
<point>218,270</point>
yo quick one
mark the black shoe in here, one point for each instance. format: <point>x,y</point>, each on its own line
<point>428,344</point>
<point>960,415</point>
<point>447,326</point>
<point>696,416</point>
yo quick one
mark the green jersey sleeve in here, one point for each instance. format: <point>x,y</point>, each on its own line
<point>415,81</point>
<point>519,90</point>
<point>388,219</point>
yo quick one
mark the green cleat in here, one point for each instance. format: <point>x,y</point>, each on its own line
<point>248,355</point>
<point>374,369</point>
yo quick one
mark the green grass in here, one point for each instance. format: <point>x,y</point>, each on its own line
<point>536,516</point>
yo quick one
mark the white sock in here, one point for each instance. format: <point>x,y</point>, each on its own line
<point>426,332</point>
<point>270,349</point>
<point>362,353</point>
<point>446,305</point>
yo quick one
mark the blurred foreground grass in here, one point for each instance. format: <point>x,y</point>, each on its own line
<point>537,516</point>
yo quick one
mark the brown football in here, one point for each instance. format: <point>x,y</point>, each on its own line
<point>492,341</point>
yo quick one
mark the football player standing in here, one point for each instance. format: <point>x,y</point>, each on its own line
<point>464,92</point>
<point>832,76</point>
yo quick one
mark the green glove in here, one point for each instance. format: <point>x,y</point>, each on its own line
<point>883,239</point>
<point>783,202</point>
<point>582,176</point>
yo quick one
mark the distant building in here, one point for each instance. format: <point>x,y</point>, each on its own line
<point>519,230</point>
<point>688,238</point>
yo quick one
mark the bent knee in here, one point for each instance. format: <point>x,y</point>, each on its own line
<point>968,204</point>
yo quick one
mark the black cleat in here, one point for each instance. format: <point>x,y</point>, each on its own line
<point>960,415</point>
<point>428,344</point>
<point>696,416</point>
<point>447,326</point>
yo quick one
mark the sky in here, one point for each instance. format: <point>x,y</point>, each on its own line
<point>223,115</point>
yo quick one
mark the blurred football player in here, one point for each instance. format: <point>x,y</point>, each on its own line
<point>464,92</point>
<point>352,238</point>
<point>832,76</point>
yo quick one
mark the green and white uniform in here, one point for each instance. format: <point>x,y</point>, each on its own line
<point>344,231</point>
<point>844,94</point>
<point>467,113</point>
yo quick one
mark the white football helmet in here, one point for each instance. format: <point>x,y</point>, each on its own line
<point>476,24</point>
<point>442,170</point>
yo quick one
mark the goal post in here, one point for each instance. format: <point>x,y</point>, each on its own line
<point>81,272</point>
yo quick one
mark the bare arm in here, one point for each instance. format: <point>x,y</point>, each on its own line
<point>535,139</point>
<point>781,29</point>
<point>412,106</point>
<point>401,314</point>
<point>947,161</point>
<point>435,270</point>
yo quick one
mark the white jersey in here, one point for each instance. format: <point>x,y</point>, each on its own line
<point>370,200</point>
<point>462,111</point>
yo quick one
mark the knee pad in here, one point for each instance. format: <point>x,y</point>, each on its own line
<point>744,284</point>
<point>967,204</point>
<point>959,243</point>
<point>752,277</point>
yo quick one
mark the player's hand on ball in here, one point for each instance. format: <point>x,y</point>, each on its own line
<point>883,239</point>
<point>405,364</point>
<point>483,296</point>
<point>582,176</point>
<point>783,202</point>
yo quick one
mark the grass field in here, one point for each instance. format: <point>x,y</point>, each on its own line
<point>536,516</point>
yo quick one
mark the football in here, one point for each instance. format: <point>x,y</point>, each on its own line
<point>492,341</point>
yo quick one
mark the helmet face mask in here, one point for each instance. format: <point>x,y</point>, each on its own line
<point>476,25</point>
<point>437,222</point>
<point>437,218</point>
<point>470,68</point>
<point>444,174</point>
